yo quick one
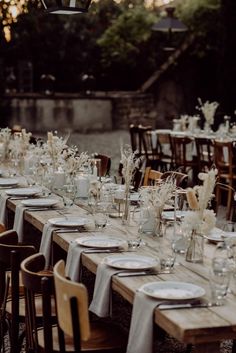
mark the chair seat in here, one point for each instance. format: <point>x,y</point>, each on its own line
<point>104,337</point>
<point>38,301</point>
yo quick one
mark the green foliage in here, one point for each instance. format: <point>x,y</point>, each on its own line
<point>123,41</point>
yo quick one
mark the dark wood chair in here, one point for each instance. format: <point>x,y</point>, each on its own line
<point>165,151</point>
<point>224,159</point>
<point>137,138</point>
<point>73,318</point>
<point>42,332</point>
<point>184,160</point>
<point>105,164</point>
<point>205,153</point>
<point>11,298</point>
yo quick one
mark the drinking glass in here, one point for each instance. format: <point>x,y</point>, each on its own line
<point>68,194</point>
<point>101,215</point>
<point>220,273</point>
<point>180,240</point>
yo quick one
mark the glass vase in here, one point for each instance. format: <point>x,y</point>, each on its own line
<point>195,250</point>
<point>126,212</point>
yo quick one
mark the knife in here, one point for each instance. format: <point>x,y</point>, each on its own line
<point>140,273</point>
<point>185,305</point>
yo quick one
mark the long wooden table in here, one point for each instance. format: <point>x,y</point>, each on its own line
<point>203,327</point>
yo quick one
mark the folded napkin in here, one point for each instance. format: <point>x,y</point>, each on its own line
<point>3,208</point>
<point>18,225</point>
<point>141,328</point>
<point>73,261</point>
<point>154,139</point>
<point>101,302</point>
<point>46,242</point>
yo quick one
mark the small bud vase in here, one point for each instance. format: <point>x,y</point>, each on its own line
<point>195,250</point>
<point>126,213</point>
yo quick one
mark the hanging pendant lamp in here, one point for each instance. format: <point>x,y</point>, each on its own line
<point>66,7</point>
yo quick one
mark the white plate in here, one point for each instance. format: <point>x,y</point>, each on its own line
<point>172,290</point>
<point>101,242</point>
<point>169,215</point>
<point>215,235</point>
<point>68,222</point>
<point>40,202</point>
<point>132,262</point>
<point>23,191</point>
<point>8,182</point>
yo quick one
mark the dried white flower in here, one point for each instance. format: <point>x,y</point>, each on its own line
<point>208,110</point>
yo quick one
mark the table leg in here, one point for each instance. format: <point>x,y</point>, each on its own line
<point>211,347</point>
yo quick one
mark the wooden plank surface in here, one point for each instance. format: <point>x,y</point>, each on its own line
<point>203,327</point>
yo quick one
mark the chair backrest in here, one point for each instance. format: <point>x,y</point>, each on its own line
<point>105,164</point>
<point>181,178</point>
<point>11,256</point>
<point>205,153</point>
<point>180,149</point>
<point>67,290</point>
<point>137,138</point>
<point>37,280</point>
<point>224,156</point>
<point>151,176</point>
<point>2,228</point>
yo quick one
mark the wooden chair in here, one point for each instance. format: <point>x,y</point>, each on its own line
<point>73,317</point>
<point>205,153</point>
<point>2,228</point>
<point>224,154</point>
<point>11,300</point>
<point>183,159</point>
<point>165,151</point>
<point>42,332</point>
<point>105,164</point>
<point>137,138</point>
<point>151,176</point>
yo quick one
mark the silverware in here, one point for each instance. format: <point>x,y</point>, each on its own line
<point>134,274</point>
<point>174,305</point>
<point>105,251</point>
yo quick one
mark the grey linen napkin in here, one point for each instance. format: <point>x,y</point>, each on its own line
<point>101,302</point>
<point>73,261</point>
<point>18,225</point>
<point>141,328</point>
<point>3,208</point>
<point>46,242</point>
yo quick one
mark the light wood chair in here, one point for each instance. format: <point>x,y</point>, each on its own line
<point>151,176</point>
<point>73,317</point>
<point>225,163</point>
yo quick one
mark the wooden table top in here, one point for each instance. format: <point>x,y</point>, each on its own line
<point>204,327</point>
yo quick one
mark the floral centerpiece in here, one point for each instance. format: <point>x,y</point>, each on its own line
<point>200,220</point>
<point>130,163</point>
<point>208,110</point>
<point>5,137</point>
<point>156,198</point>
<point>54,148</point>
<point>74,161</point>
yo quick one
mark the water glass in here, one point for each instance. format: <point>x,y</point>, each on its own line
<point>68,194</point>
<point>101,215</point>
<point>219,280</point>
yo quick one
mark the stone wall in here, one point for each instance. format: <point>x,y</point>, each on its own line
<point>96,112</point>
